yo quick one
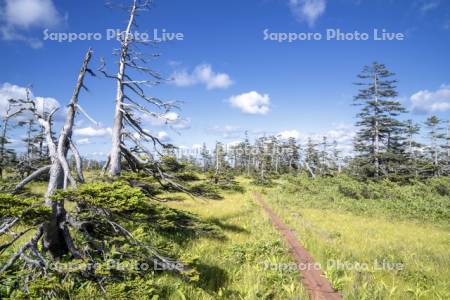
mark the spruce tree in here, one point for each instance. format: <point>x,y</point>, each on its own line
<point>206,158</point>
<point>293,154</point>
<point>379,142</point>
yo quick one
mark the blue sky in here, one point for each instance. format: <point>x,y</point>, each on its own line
<point>229,78</point>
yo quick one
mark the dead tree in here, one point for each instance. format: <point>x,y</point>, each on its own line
<point>52,222</point>
<point>132,103</point>
<point>55,234</point>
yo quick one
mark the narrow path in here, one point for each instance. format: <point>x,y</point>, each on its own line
<point>312,279</point>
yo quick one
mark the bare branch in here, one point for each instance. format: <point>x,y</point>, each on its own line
<point>27,245</point>
<point>78,161</point>
<point>86,115</point>
<point>31,177</point>
<point>8,225</point>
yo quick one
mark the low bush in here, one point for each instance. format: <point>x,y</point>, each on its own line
<point>427,200</point>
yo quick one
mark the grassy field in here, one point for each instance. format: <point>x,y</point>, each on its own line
<point>233,265</point>
<point>374,241</point>
<point>368,249</point>
<point>251,245</point>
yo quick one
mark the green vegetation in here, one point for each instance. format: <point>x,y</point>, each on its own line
<point>221,247</point>
<point>375,240</point>
<point>166,225</point>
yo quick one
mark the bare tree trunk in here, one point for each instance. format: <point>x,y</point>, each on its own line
<point>31,177</point>
<point>310,170</point>
<point>377,132</point>
<point>2,145</point>
<point>448,144</point>
<point>56,237</point>
<point>106,165</point>
<point>115,155</point>
<point>78,162</point>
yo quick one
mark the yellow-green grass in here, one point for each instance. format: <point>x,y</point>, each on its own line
<point>247,256</point>
<point>237,267</point>
<point>371,257</point>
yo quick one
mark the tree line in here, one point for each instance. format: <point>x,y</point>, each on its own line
<point>386,144</point>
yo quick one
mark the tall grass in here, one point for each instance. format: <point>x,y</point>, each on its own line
<point>374,240</point>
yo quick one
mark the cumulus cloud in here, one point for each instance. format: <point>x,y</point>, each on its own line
<point>163,136</point>
<point>307,10</point>
<point>287,134</point>
<point>92,132</point>
<point>251,103</point>
<point>426,101</point>
<point>98,153</point>
<point>21,16</point>
<point>11,91</point>
<point>170,119</point>
<point>343,134</point>
<point>84,141</point>
<point>202,74</point>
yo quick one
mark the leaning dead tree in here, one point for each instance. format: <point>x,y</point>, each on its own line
<point>99,217</point>
<point>60,174</point>
<point>132,104</point>
<point>53,231</point>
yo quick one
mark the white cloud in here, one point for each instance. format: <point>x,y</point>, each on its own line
<point>20,16</point>
<point>343,134</point>
<point>84,141</point>
<point>92,132</point>
<point>170,119</point>
<point>27,13</point>
<point>202,74</point>
<point>227,131</point>
<point>287,134</point>
<point>11,91</point>
<point>46,104</point>
<point>426,101</point>
<point>97,154</point>
<point>163,136</point>
<point>307,10</point>
<point>251,103</point>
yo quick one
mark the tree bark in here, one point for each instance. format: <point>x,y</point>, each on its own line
<point>78,162</point>
<point>376,145</point>
<point>56,238</point>
<point>31,177</point>
<point>115,155</point>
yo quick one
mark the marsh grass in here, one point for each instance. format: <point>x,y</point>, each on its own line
<point>367,252</point>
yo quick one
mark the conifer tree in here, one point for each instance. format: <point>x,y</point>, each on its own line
<point>293,154</point>
<point>206,158</point>
<point>379,138</point>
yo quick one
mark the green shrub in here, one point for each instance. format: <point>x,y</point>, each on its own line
<point>440,185</point>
